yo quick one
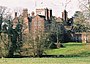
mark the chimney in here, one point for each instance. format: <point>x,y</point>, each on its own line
<point>46,14</point>
<point>15,14</point>
<point>28,15</point>
<point>25,12</point>
<point>64,15</point>
<point>33,14</point>
<point>50,14</point>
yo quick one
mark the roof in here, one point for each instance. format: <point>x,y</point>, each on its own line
<point>39,16</point>
<point>58,19</point>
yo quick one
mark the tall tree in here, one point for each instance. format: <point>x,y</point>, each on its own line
<point>84,5</point>
<point>79,22</point>
<point>4,40</point>
<point>5,15</point>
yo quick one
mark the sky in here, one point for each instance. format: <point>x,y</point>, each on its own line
<point>57,6</point>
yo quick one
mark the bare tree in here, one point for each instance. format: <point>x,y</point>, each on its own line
<point>19,10</point>
<point>84,5</point>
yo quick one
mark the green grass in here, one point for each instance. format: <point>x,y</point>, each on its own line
<point>75,60</point>
<point>71,49</point>
<point>80,52</point>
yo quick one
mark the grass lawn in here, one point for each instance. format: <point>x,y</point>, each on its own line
<point>74,60</point>
<point>75,53</point>
<point>71,49</point>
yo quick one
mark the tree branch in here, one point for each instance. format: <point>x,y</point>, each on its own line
<point>84,5</point>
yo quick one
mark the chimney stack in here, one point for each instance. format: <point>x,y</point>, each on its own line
<point>33,14</point>
<point>15,14</point>
<point>50,14</point>
<point>25,12</point>
<point>64,15</point>
<point>46,14</point>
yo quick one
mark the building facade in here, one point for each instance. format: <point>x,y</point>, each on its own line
<point>37,25</point>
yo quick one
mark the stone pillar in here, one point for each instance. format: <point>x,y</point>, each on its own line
<point>84,37</point>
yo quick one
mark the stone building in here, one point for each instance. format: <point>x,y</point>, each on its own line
<point>22,19</point>
<point>37,25</point>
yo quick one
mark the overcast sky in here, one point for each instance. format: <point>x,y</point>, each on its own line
<point>56,5</point>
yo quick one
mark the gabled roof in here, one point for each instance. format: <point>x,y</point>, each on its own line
<point>59,19</point>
